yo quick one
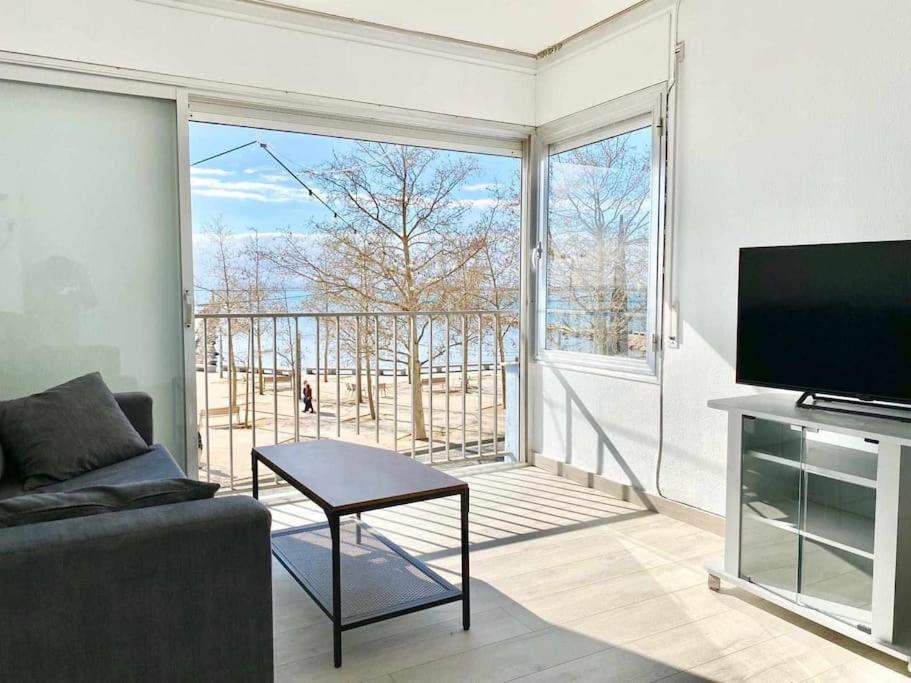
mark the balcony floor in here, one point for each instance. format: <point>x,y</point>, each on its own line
<point>567,584</point>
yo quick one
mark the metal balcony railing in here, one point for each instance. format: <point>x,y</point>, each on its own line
<point>431,384</point>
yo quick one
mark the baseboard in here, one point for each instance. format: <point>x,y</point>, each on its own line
<point>707,521</point>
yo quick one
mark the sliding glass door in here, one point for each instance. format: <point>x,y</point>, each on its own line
<point>90,251</point>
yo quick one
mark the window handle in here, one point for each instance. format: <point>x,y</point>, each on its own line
<point>187,309</point>
<point>538,253</point>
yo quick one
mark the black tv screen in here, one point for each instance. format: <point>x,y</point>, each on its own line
<point>828,318</point>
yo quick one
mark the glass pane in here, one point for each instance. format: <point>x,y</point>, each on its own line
<point>387,227</point>
<point>598,247</point>
<point>836,581</point>
<point>839,511</point>
<point>841,454</point>
<point>89,246</point>
<point>770,503</point>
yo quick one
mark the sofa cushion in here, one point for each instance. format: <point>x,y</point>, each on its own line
<point>10,486</point>
<point>65,431</point>
<point>155,465</point>
<point>34,508</point>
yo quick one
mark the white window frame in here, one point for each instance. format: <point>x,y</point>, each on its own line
<point>629,113</point>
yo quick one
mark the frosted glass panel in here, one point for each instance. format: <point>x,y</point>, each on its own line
<point>89,246</point>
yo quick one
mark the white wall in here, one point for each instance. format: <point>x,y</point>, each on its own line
<point>628,54</point>
<point>597,422</point>
<point>792,128</point>
<point>175,41</point>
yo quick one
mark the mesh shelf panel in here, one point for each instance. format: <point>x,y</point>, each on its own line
<point>375,579</point>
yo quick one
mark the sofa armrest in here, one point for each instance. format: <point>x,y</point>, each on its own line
<point>137,406</point>
<point>175,592</point>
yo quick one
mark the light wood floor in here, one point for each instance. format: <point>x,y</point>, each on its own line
<point>568,584</point>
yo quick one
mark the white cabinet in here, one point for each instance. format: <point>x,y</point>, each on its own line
<point>818,516</point>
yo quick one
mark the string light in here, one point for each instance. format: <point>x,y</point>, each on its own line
<point>265,148</point>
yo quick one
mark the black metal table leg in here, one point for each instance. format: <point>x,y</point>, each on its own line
<point>358,529</point>
<point>336,590</point>
<point>466,601</point>
<point>255,468</point>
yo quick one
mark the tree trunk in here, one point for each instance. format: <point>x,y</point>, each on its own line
<point>248,376</point>
<point>417,391</point>
<point>620,301</point>
<point>358,366</point>
<point>370,401</point>
<point>602,337</point>
<point>232,383</point>
<point>502,352</point>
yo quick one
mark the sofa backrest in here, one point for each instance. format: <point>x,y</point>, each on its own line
<point>137,406</point>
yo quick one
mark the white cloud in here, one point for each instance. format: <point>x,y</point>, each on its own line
<point>480,187</point>
<point>251,190</point>
<point>197,171</point>
<point>201,238</point>
<point>484,203</point>
<point>275,178</point>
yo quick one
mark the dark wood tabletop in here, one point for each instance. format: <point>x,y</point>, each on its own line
<point>345,478</point>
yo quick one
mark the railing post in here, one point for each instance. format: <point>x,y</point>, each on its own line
<point>496,380</point>
<point>357,371</point>
<point>376,391</point>
<point>274,378</point>
<point>395,383</point>
<point>230,410</point>
<point>319,414</point>
<point>448,370</point>
<point>430,387</point>
<point>480,382</point>
<point>415,369</point>
<point>338,376</point>
<point>296,381</point>
<point>205,369</point>
<point>464,372</point>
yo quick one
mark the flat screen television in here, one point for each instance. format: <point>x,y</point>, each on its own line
<point>827,318</point>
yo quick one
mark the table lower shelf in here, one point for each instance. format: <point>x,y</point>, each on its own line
<point>379,580</point>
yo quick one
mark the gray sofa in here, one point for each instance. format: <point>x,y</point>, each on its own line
<point>178,592</point>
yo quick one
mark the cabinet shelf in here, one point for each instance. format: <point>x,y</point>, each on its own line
<point>861,474</point>
<point>850,532</point>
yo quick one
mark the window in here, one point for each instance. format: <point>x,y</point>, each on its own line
<point>600,248</point>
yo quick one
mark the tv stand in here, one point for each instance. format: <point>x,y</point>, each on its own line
<point>810,400</point>
<point>818,517</point>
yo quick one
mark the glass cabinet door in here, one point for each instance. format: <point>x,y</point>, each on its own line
<point>770,505</point>
<point>837,525</point>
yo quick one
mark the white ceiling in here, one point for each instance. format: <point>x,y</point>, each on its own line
<point>523,25</point>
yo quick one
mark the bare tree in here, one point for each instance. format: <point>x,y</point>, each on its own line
<point>499,261</point>
<point>226,295</point>
<point>399,241</point>
<point>599,213</point>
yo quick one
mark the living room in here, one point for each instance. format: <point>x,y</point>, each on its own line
<point>595,468</point>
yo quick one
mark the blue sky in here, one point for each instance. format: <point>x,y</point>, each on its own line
<point>248,189</point>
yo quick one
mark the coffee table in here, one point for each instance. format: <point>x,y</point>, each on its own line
<point>354,574</point>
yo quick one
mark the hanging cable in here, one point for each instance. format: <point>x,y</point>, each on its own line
<point>313,194</point>
<point>221,154</point>
<point>268,151</point>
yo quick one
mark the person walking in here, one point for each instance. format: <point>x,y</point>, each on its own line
<point>308,398</point>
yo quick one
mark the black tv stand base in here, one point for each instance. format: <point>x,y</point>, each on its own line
<point>810,400</point>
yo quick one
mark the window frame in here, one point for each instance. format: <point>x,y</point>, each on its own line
<point>629,113</point>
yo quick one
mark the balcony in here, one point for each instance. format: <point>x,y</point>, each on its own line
<point>437,386</point>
